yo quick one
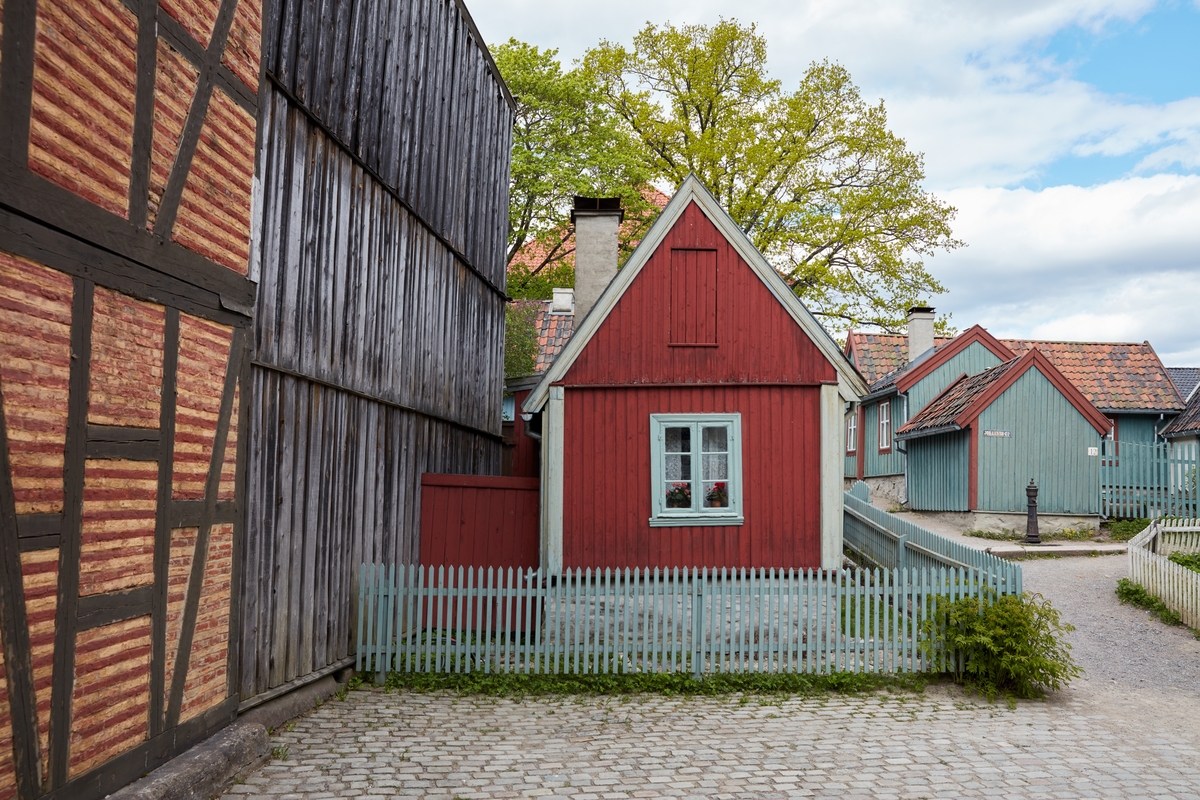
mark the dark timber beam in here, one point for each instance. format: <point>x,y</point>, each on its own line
<point>187,629</point>
<point>16,80</point>
<point>163,523</point>
<point>14,630</point>
<point>143,109</point>
<point>168,210</point>
<point>112,441</point>
<point>63,680</point>
<point>95,610</point>
<point>169,283</point>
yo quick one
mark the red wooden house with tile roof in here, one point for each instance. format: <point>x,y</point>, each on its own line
<point>694,418</point>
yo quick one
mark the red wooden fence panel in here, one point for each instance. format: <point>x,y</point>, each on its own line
<point>479,521</point>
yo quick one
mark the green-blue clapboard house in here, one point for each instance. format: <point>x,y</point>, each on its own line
<point>976,445</point>
<point>1124,381</point>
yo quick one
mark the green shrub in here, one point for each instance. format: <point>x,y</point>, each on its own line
<point>1188,560</point>
<point>1001,645</point>
<point>1122,530</point>
<point>1135,594</point>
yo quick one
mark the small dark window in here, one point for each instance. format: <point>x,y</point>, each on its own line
<point>693,298</point>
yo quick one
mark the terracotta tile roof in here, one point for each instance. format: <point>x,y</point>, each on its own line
<point>1114,376</point>
<point>957,397</point>
<point>1186,379</point>
<point>554,331</point>
<point>1187,423</point>
<point>878,355</point>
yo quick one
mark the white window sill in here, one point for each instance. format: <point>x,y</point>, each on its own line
<point>696,521</point>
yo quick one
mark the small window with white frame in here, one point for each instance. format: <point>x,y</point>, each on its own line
<point>696,469</point>
<point>885,426</point>
<point>852,433</point>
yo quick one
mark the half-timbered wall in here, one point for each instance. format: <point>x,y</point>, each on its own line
<point>383,184</point>
<point>127,146</point>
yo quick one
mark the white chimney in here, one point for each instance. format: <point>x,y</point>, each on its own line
<point>597,220</point>
<point>920,331</point>
<point>563,301</point>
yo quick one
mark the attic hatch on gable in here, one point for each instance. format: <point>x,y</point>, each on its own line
<point>693,298</point>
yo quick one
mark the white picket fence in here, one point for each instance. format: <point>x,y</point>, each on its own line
<point>451,619</point>
<point>1177,586</point>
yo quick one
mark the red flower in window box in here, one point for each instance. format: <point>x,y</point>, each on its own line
<point>718,496</point>
<point>679,495</point>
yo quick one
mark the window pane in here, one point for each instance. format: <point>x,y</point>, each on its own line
<point>679,494</point>
<point>716,467</point>
<point>679,440</point>
<point>716,494</point>
<point>679,467</point>
<point>716,439</point>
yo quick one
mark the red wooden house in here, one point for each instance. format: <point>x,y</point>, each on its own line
<point>695,416</point>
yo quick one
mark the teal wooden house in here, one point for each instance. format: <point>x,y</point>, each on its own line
<point>977,444</point>
<point>1125,381</point>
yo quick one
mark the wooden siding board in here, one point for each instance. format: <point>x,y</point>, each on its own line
<point>975,358</point>
<point>876,464</point>
<point>1049,444</point>
<point>607,484</point>
<point>938,472</point>
<point>1137,428</point>
<point>632,347</point>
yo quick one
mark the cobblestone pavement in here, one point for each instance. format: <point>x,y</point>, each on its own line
<point>939,744</point>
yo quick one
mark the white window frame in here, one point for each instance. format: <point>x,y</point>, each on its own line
<point>884,411</point>
<point>661,516</point>
<point>852,433</point>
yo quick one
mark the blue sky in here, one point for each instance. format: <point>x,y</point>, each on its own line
<point>1066,132</point>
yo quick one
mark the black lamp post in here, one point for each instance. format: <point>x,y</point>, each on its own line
<point>1031,525</point>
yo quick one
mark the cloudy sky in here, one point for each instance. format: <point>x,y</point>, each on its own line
<point>1066,132</point>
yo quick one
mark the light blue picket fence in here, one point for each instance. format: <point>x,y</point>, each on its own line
<point>888,541</point>
<point>1149,480</point>
<point>450,619</point>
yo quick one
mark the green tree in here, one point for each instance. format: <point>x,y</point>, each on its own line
<point>820,185</point>
<point>565,142</point>
<point>520,338</point>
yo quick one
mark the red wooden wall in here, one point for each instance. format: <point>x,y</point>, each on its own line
<point>479,521</point>
<point>607,482</point>
<point>525,463</point>
<point>757,341</point>
<point>694,335</point>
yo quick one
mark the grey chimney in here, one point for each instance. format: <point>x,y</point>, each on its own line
<point>596,220</point>
<point>920,331</point>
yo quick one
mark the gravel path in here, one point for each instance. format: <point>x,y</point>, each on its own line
<point>1139,671</point>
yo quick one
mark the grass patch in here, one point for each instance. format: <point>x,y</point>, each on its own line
<point>1066,535</point>
<point>1187,560</point>
<point>1135,594</point>
<point>1122,530</point>
<point>654,683</point>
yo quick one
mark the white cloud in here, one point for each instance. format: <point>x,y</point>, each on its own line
<point>961,80</point>
<point>965,82</point>
<point>1119,261</point>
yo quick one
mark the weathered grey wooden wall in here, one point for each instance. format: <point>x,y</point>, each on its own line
<point>381,210</point>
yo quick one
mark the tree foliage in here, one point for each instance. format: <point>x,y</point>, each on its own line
<point>520,338</point>
<point>820,185</point>
<point>565,143</point>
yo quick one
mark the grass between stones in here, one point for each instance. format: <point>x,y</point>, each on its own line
<point>669,684</point>
<point>1135,594</point>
